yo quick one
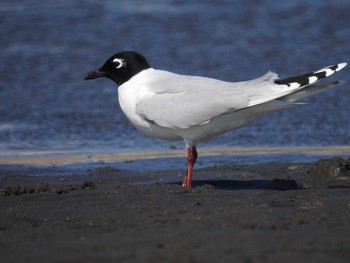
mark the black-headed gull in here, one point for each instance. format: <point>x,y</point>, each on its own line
<point>170,106</point>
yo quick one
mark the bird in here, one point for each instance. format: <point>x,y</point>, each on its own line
<point>170,106</point>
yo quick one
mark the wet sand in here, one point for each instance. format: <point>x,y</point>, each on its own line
<point>270,212</point>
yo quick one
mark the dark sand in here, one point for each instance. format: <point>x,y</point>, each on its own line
<point>271,212</point>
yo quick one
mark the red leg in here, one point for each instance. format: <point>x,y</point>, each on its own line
<point>191,157</point>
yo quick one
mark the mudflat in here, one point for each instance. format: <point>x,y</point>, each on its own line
<point>272,212</point>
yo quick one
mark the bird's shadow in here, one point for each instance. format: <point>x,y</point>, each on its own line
<point>254,184</point>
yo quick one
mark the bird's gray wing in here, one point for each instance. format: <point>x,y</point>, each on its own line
<point>179,101</point>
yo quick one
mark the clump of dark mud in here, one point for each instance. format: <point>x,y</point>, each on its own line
<point>44,187</point>
<point>328,172</point>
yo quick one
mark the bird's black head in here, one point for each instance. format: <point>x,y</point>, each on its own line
<point>120,67</point>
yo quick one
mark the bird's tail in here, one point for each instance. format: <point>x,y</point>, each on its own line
<point>310,90</point>
<point>310,78</point>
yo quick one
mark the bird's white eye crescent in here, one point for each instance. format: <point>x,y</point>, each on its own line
<point>118,62</point>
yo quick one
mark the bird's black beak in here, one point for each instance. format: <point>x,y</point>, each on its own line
<point>97,73</point>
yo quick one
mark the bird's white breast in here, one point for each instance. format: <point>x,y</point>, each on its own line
<point>131,93</point>
<point>136,90</point>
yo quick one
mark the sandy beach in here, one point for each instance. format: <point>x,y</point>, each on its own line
<point>270,212</point>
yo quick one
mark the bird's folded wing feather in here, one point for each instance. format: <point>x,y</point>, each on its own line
<point>179,101</point>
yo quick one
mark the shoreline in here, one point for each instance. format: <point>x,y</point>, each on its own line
<point>23,157</point>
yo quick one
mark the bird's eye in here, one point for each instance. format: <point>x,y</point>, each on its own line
<point>118,62</point>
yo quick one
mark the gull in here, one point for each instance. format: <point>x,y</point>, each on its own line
<point>170,106</point>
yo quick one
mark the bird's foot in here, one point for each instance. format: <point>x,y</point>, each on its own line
<point>186,182</point>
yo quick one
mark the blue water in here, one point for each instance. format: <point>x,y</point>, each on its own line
<point>47,47</point>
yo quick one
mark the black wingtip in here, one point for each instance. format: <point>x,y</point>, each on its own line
<point>312,77</point>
